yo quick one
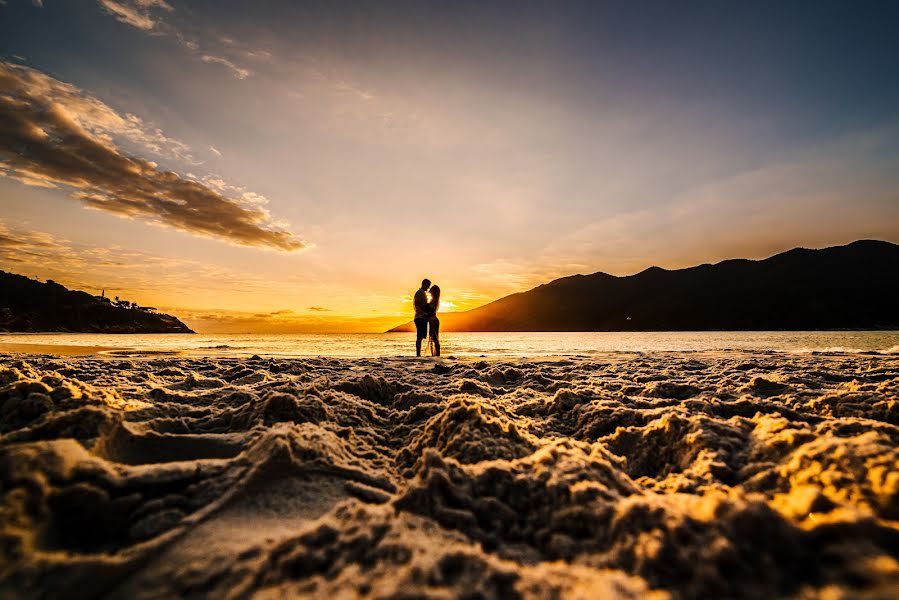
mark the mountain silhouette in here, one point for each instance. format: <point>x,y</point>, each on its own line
<point>30,306</point>
<point>855,286</point>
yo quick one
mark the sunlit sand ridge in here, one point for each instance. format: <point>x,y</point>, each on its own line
<point>623,475</point>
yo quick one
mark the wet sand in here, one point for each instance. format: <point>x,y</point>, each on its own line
<point>52,349</point>
<point>686,475</point>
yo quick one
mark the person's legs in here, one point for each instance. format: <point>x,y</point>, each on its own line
<point>421,332</point>
<point>435,334</point>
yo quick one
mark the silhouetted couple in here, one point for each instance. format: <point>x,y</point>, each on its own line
<point>427,325</point>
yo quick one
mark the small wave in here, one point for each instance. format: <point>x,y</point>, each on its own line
<point>137,352</point>
<point>844,350</point>
<point>829,350</point>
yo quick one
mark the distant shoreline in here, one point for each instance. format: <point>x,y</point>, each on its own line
<point>31,306</point>
<point>402,329</point>
<point>893,328</point>
<point>2,333</point>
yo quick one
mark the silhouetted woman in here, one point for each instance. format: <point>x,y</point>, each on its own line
<point>433,321</point>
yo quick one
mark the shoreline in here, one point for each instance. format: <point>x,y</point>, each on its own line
<point>52,349</point>
<point>25,350</point>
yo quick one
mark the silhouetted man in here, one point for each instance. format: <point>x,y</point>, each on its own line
<point>420,302</point>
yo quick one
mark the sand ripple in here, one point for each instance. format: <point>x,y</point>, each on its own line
<point>619,476</point>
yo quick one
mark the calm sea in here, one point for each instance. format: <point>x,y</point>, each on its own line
<point>473,344</point>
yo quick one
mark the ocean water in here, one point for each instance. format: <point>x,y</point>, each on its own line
<point>471,344</point>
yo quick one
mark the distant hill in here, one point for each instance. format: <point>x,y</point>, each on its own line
<point>845,287</point>
<point>30,306</point>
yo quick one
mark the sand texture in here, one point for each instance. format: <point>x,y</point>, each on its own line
<point>616,476</point>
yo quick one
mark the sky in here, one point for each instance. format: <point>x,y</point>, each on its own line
<point>290,166</point>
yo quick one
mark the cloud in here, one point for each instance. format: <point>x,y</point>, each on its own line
<point>142,14</point>
<point>238,71</point>
<point>189,44</point>
<point>18,246</point>
<point>43,255</point>
<point>234,321</point>
<point>215,150</point>
<point>319,309</point>
<point>125,271</point>
<point>826,198</point>
<point>96,118</point>
<point>54,135</point>
<point>345,86</point>
<point>505,275</point>
<point>258,54</point>
<point>136,13</point>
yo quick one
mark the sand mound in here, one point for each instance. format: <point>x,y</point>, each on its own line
<point>620,476</point>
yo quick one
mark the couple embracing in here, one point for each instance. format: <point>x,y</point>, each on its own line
<point>427,302</point>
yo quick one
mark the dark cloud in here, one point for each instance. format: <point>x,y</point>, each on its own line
<point>274,314</point>
<point>52,135</point>
<point>319,309</point>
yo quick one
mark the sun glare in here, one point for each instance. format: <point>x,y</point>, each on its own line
<point>448,306</point>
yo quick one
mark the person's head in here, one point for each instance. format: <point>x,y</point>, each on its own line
<point>425,284</point>
<point>435,293</point>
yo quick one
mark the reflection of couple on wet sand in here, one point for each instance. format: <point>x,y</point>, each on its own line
<point>427,302</point>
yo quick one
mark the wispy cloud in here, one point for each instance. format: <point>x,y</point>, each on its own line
<point>137,13</point>
<point>18,246</point>
<point>506,275</point>
<point>86,266</point>
<point>236,70</point>
<point>282,321</point>
<point>824,197</point>
<point>258,54</point>
<point>145,15</point>
<point>344,86</point>
<point>54,135</point>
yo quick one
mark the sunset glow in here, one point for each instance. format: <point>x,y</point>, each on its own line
<point>506,299</point>
<point>300,167</point>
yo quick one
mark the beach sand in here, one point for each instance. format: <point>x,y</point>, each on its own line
<point>52,349</point>
<point>686,475</point>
